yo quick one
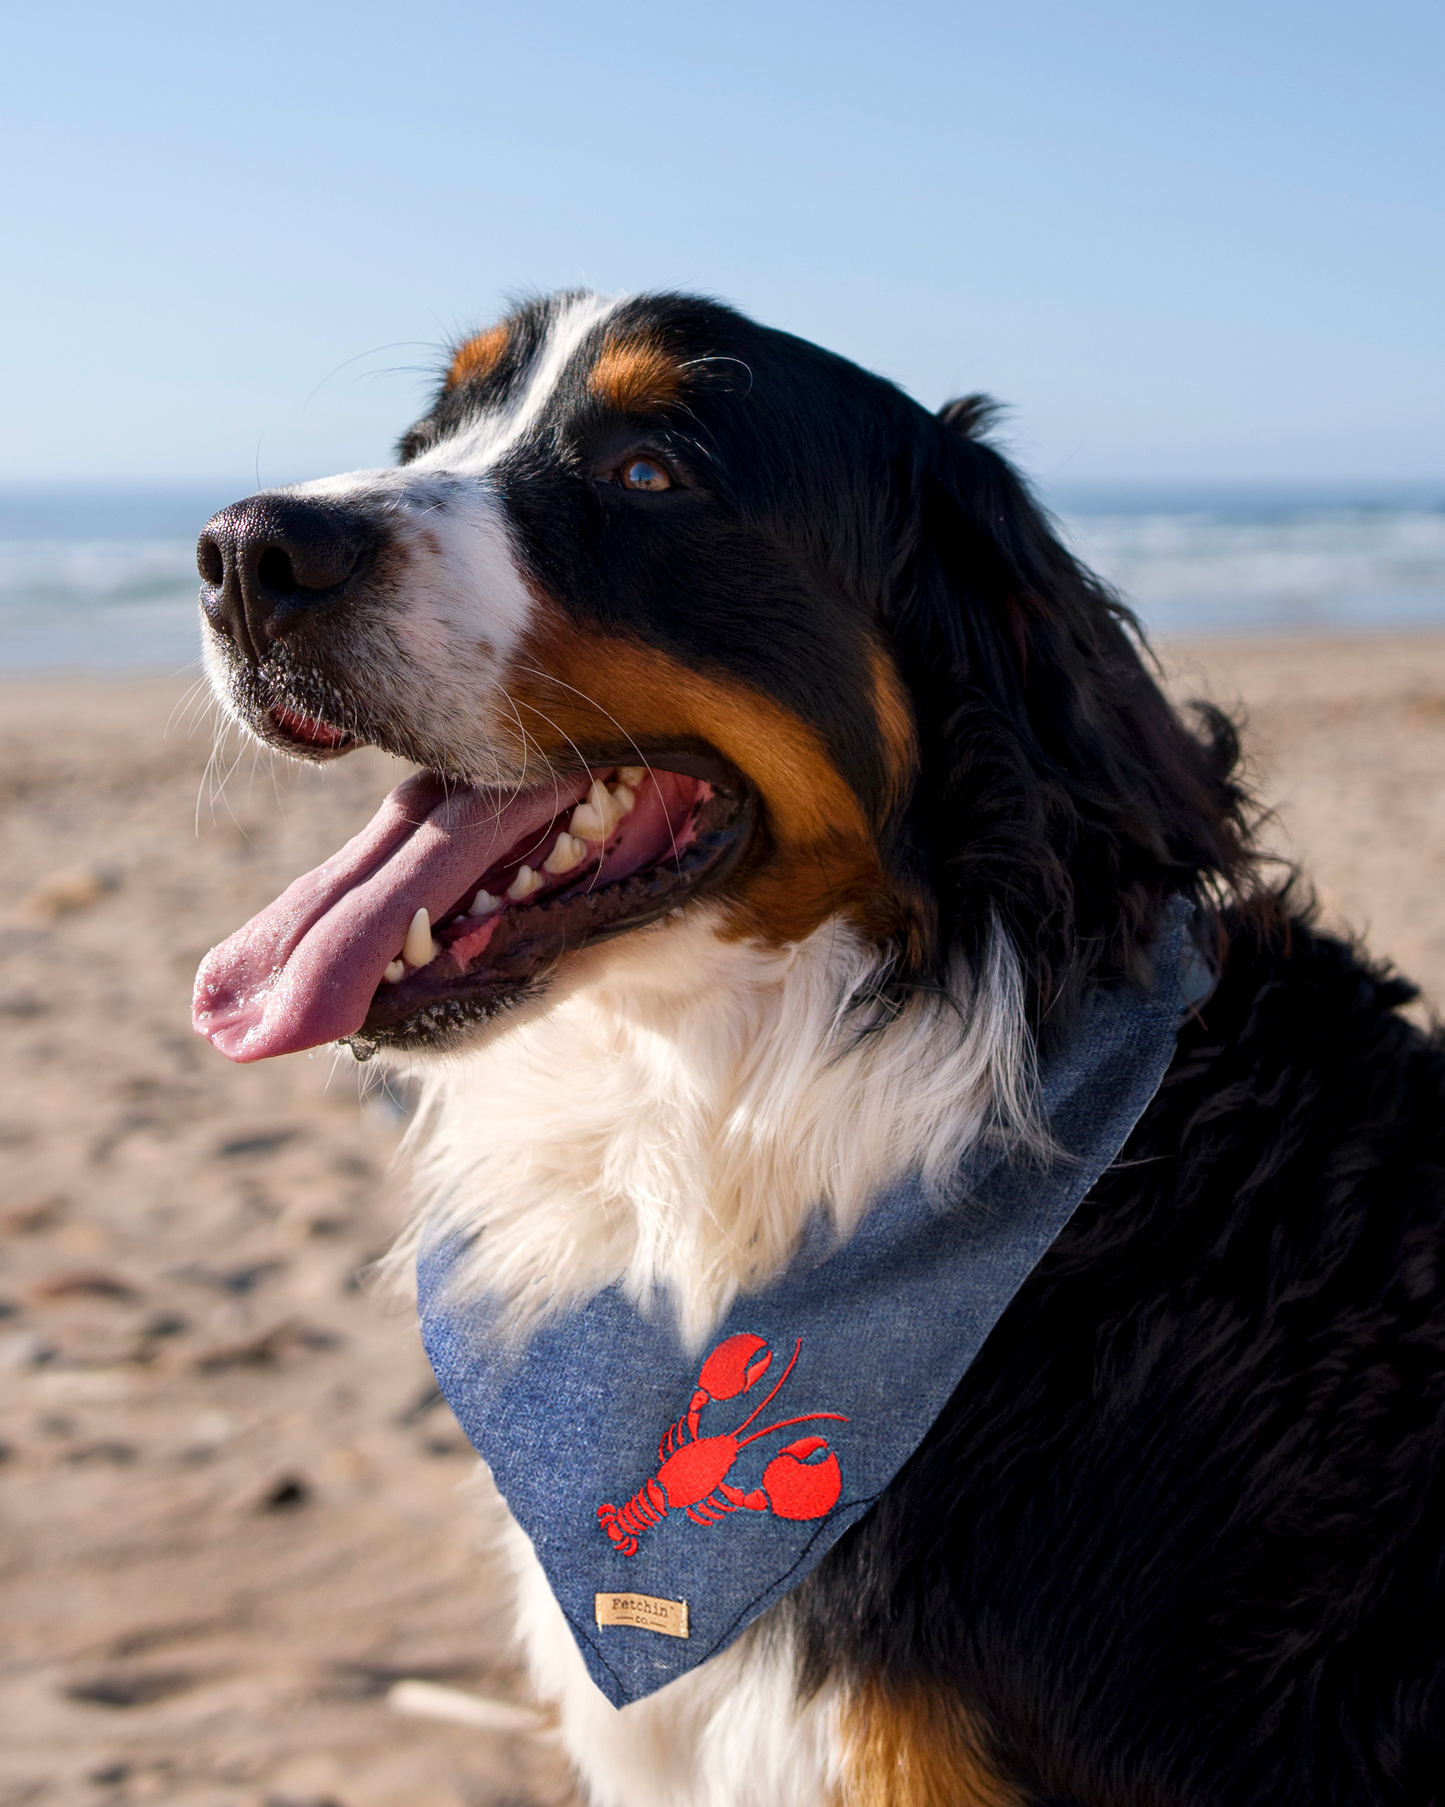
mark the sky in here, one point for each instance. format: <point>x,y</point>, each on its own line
<point>1187,242</point>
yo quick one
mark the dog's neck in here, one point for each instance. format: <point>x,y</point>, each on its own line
<point>675,1116</point>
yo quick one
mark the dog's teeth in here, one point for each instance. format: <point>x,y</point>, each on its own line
<point>631,775</point>
<point>570,851</point>
<point>524,884</point>
<point>624,797</point>
<point>601,799</point>
<point>419,949</point>
<point>482,903</point>
<point>395,973</point>
<point>594,820</point>
<point>587,823</point>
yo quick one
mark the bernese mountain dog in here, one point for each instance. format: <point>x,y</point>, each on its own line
<point>786,791</point>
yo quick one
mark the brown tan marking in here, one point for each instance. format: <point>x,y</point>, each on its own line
<point>916,1747</point>
<point>477,356</point>
<point>636,375</point>
<point>575,687</point>
<point>896,727</point>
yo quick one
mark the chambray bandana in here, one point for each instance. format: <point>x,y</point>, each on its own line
<point>672,1497</point>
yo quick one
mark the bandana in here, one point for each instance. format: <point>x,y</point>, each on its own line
<point>672,1497</point>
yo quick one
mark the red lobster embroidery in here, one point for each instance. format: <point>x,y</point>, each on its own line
<point>802,1481</point>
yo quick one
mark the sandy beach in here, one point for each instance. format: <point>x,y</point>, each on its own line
<point>230,1498</point>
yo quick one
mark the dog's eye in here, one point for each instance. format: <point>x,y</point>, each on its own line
<point>644,473</point>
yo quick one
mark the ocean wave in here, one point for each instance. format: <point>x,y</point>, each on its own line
<point>1201,572</point>
<point>98,603</point>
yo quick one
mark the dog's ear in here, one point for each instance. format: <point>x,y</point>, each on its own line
<point>1061,794</point>
<point>970,416</point>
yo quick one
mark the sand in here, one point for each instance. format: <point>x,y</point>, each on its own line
<point>231,1504</point>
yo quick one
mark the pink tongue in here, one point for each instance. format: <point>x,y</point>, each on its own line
<point>305,970</point>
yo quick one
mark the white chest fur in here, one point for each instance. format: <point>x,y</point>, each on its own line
<point>683,1104</point>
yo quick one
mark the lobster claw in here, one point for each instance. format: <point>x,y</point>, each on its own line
<point>798,1487</point>
<point>731,1368</point>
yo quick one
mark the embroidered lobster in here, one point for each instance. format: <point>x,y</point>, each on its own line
<point>802,1481</point>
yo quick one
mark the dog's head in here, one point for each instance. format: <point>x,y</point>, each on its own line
<point>666,604</point>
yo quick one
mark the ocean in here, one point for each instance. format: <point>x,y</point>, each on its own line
<point>1264,559</point>
<point>105,579</point>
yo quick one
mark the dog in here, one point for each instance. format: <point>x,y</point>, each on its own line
<point>787,795</point>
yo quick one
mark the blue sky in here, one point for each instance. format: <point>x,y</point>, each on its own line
<point>1180,242</point>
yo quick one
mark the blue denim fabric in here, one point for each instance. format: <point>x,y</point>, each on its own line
<point>888,1323</point>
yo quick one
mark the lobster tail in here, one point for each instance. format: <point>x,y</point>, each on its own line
<point>625,1524</point>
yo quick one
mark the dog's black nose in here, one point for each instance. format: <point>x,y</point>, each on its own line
<point>269,562</point>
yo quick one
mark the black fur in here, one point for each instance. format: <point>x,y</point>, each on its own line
<point>819,509</point>
<point>1058,789</point>
<point>1178,1536</point>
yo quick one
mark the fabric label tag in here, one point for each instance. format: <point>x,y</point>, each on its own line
<point>645,1611</point>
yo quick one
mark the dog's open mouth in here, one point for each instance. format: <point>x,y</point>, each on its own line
<point>453,899</point>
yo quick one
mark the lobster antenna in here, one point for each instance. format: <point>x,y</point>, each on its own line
<point>773,1395</point>
<point>783,1423</point>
